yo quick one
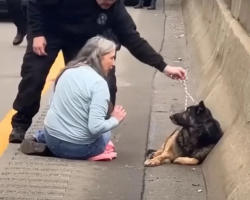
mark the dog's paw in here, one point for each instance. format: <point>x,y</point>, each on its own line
<point>147,163</point>
<point>152,162</point>
<point>177,161</point>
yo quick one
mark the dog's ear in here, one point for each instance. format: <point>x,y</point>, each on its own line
<point>202,104</point>
<point>201,107</point>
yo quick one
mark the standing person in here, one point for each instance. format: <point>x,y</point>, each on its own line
<point>17,11</point>
<point>66,25</point>
<point>140,5</point>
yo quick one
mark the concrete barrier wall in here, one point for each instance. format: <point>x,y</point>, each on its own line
<point>220,61</point>
<point>240,10</point>
<point>229,2</point>
<point>244,14</point>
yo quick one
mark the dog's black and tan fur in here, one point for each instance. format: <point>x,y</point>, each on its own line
<point>190,144</point>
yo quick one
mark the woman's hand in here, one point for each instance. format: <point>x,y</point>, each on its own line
<point>119,113</point>
<point>175,72</point>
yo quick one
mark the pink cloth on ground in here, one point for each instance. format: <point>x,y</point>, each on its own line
<point>108,155</point>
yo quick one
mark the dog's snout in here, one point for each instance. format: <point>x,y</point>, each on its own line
<point>171,116</point>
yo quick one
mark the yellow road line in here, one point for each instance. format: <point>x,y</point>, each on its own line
<point>5,124</point>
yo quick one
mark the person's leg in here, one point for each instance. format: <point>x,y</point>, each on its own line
<point>68,150</point>
<point>106,137</point>
<point>40,136</point>
<point>15,10</point>
<point>70,51</point>
<point>152,5</point>
<point>34,72</point>
<point>99,146</point>
<point>36,145</point>
<point>25,18</point>
<point>140,4</point>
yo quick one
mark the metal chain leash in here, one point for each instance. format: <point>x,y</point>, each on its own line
<point>184,83</point>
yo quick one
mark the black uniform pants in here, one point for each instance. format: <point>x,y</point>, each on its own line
<point>17,12</point>
<point>34,71</point>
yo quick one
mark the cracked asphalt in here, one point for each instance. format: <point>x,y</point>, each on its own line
<point>148,96</point>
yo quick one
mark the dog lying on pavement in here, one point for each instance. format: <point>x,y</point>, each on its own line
<point>190,144</point>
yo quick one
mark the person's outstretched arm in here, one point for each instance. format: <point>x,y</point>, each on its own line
<point>125,29</point>
<point>98,110</point>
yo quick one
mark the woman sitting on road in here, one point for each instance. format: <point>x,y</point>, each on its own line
<point>76,124</point>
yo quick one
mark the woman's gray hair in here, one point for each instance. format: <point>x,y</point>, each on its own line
<point>90,55</point>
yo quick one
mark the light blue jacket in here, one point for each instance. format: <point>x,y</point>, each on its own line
<point>79,106</point>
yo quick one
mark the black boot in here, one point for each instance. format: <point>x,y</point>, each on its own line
<point>152,6</point>
<point>30,146</point>
<point>139,5</point>
<point>17,135</point>
<point>18,38</point>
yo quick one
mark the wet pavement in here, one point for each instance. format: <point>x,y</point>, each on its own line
<point>149,97</point>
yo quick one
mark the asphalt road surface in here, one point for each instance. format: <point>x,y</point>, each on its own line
<point>148,96</point>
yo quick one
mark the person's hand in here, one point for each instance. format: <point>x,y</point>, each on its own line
<point>175,72</point>
<point>119,113</point>
<point>39,44</point>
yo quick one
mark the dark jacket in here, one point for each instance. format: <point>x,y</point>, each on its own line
<point>80,20</point>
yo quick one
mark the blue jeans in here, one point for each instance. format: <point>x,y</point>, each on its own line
<point>69,150</point>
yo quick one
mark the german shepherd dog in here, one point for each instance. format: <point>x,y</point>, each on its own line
<point>190,144</point>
